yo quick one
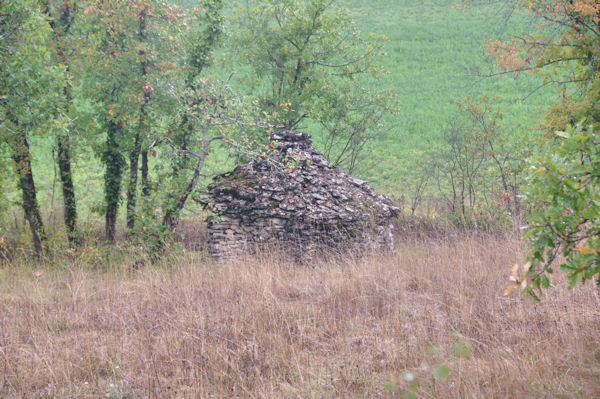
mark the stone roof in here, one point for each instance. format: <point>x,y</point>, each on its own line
<point>298,200</point>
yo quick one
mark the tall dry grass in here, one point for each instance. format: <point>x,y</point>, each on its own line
<point>265,329</point>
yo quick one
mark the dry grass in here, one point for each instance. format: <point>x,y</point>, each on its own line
<point>265,329</point>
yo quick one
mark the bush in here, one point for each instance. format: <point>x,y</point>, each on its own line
<point>564,192</point>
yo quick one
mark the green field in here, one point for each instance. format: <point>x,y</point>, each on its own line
<point>433,51</point>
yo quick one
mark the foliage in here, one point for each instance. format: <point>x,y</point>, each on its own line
<point>116,100</point>
<point>563,187</point>
<point>298,47</point>
<point>215,113</point>
<point>433,368</point>
<point>28,89</point>
<point>306,58</point>
<point>27,78</point>
<point>131,45</point>
<point>479,170</point>
<point>563,48</point>
<point>564,192</point>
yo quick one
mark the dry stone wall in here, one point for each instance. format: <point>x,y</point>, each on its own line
<point>310,206</point>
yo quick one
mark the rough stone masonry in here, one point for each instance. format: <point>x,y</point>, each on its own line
<point>297,202</point>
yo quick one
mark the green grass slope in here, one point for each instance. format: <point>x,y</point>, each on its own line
<point>435,52</point>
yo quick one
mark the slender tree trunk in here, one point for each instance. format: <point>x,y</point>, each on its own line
<point>112,179</point>
<point>133,177</point>
<point>171,218</point>
<point>64,21</point>
<point>144,171</point>
<point>68,190</point>
<point>137,147</point>
<point>22,159</point>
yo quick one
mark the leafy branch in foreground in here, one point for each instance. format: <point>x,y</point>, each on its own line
<point>564,188</point>
<point>564,192</point>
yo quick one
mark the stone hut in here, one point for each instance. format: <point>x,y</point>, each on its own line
<point>297,201</point>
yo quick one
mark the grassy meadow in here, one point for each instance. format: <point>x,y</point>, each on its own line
<point>432,314</point>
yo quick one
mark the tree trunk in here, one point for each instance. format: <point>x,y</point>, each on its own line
<point>137,147</point>
<point>144,170</point>
<point>68,190</point>
<point>171,218</point>
<point>22,159</point>
<point>112,179</point>
<point>60,27</point>
<point>133,177</point>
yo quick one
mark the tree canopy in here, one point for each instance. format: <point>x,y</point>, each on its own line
<point>309,62</point>
<point>132,82</point>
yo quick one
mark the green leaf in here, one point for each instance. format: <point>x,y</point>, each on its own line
<point>463,349</point>
<point>391,386</point>
<point>432,350</point>
<point>441,372</point>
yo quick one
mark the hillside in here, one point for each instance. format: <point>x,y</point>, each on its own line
<point>435,53</point>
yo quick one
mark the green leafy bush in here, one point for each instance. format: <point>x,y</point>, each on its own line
<point>564,191</point>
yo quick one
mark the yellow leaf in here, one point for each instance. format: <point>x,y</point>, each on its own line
<point>509,289</point>
<point>514,274</point>
<point>587,250</point>
<point>526,267</point>
<point>562,134</point>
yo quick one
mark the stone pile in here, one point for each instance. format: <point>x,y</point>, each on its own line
<point>297,201</point>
